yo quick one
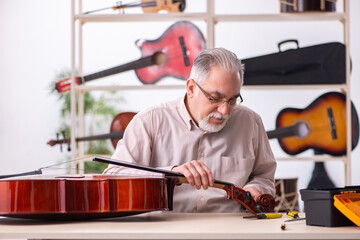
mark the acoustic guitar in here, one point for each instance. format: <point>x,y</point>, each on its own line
<point>320,126</point>
<point>170,55</point>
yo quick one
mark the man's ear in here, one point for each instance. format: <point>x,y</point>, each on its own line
<point>190,87</point>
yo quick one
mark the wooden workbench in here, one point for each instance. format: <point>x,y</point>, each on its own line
<point>158,225</point>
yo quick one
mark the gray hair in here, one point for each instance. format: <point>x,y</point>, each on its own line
<point>209,58</point>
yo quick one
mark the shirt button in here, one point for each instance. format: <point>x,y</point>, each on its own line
<point>202,199</point>
<point>202,154</point>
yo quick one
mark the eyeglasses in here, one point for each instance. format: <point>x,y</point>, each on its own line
<point>231,101</point>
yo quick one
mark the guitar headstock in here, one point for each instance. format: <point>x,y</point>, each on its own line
<point>64,85</point>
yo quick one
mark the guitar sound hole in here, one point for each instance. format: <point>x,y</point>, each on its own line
<point>302,129</point>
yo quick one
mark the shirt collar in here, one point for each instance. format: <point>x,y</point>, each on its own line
<point>184,113</point>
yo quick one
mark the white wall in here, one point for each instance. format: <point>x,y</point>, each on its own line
<point>35,46</point>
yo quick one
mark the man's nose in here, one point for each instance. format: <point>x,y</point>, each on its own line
<point>224,108</point>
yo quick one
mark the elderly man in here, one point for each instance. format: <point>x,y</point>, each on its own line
<point>205,135</point>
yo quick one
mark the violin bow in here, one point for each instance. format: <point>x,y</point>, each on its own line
<point>38,171</point>
<point>265,203</point>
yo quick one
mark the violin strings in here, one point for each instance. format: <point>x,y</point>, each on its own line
<point>69,161</point>
<point>52,167</point>
<point>63,168</point>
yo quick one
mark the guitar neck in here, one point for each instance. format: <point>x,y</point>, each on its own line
<point>298,129</point>
<point>140,63</point>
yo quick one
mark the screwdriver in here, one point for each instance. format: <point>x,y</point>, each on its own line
<point>294,215</point>
<point>265,215</point>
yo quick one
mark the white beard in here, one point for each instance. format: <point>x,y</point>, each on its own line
<point>208,127</point>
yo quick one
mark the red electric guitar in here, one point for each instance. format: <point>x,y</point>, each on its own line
<point>170,55</point>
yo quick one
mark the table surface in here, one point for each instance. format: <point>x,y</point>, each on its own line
<point>167,225</point>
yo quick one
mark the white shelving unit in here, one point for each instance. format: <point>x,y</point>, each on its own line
<point>210,18</point>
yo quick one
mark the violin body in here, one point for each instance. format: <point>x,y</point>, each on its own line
<point>119,123</point>
<point>81,196</point>
<point>169,6</point>
<point>71,197</point>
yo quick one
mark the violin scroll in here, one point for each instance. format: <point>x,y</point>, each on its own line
<point>265,203</point>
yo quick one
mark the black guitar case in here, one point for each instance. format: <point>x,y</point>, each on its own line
<point>317,64</point>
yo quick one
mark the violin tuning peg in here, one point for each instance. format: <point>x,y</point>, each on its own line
<point>258,208</point>
<point>57,140</point>
<point>247,196</point>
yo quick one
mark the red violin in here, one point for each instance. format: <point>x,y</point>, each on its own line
<point>117,128</point>
<point>102,196</point>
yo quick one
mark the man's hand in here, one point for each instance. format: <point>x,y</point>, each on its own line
<point>255,193</point>
<point>197,173</point>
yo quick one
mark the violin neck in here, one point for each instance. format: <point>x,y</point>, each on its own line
<point>112,135</point>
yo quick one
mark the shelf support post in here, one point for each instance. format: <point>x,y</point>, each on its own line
<point>210,24</point>
<point>347,164</point>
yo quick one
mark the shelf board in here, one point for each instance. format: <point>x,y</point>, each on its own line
<point>150,17</point>
<point>313,159</point>
<point>155,17</point>
<point>179,87</point>
<point>281,17</point>
<point>343,87</point>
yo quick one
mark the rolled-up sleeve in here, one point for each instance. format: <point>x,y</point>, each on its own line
<point>262,176</point>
